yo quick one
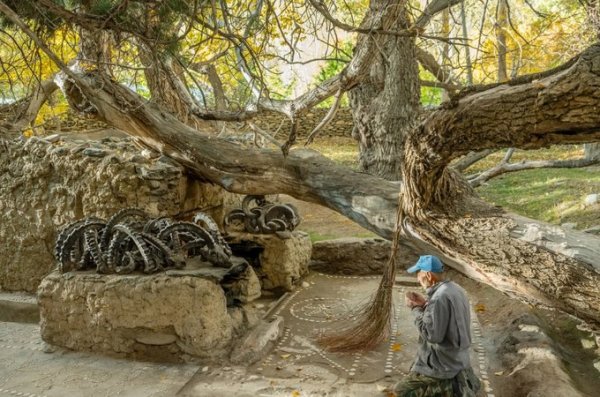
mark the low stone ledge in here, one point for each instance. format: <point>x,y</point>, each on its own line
<point>280,262</point>
<point>134,314</point>
<point>358,256</point>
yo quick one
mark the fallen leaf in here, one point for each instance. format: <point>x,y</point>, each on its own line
<point>480,308</point>
<point>295,393</point>
<point>284,356</point>
<point>499,373</point>
<point>396,347</point>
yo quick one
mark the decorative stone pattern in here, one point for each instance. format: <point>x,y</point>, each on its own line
<point>282,261</point>
<point>131,314</point>
<point>45,184</point>
<point>358,256</point>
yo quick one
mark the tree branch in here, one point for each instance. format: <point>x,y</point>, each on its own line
<point>505,167</point>
<point>432,9</point>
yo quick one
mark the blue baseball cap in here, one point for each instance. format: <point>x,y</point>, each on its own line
<point>427,263</point>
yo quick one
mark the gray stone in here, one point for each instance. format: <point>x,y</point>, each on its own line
<point>283,262</point>
<point>257,342</point>
<point>246,288</point>
<point>588,343</point>
<point>358,256</point>
<point>158,172</point>
<point>591,199</point>
<point>52,138</point>
<point>94,152</point>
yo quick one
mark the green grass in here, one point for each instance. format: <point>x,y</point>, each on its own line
<point>551,195</point>
<point>342,150</point>
<point>316,236</point>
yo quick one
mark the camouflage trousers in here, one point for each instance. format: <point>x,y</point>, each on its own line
<point>417,385</point>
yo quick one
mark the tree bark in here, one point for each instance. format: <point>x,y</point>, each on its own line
<point>385,105</point>
<point>501,24</point>
<point>28,109</point>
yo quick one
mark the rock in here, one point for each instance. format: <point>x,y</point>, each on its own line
<point>245,289</point>
<point>305,284</point>
<point>113,313</point>
<point>158,172</point>
<point>94,152</point>
<point>588,343</point>
<point>149,154</point>
<point>257,342</point>
<point>591,199</point>
<point>282,262</point>
<point>597,365</point>
<point>52,138</point>
<point>358,256</point>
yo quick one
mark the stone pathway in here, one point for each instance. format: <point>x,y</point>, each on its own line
<point>30,368</point>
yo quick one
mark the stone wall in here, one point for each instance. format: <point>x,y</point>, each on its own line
<point>157,316</point>
<point>47,183</point>
<point>341,125</point>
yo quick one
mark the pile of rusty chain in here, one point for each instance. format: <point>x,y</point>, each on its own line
<point>260,216</point>
<point>132,241</point>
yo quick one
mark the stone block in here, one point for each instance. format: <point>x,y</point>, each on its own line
<point>358,256</point>
<point>129,314</point>
<point>281,262</point>
<point>257,342</point>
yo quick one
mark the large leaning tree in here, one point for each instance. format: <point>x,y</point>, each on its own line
<point>405,153</point>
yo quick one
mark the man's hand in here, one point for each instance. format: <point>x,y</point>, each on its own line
<point>414,299</point>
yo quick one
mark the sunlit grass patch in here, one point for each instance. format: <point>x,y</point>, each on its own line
<point>342,150</point>
<point>551,195</point>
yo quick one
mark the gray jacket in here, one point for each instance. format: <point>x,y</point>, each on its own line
<point>444,332</point>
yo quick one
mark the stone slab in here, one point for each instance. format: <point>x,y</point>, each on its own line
<point>133,314</point>
<point>282,262</point>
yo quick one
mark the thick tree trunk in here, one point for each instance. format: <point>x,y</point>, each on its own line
<point>385,105</point>
<point>501,24</point>
<point>27,110</point>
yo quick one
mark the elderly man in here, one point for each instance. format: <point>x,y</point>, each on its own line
<point>442,367</point>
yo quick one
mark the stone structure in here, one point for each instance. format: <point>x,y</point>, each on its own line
<point>341,125</point>
<point>162,315</point>
<point>358,256</point>
<point>46,183</point>
<point>279,262</point>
